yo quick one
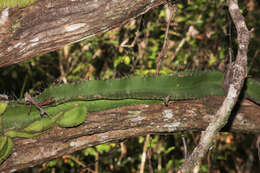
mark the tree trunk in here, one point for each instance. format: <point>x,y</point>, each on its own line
<point>48,25</point>
<point>126,122</point>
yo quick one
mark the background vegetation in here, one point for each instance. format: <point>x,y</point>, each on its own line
<point>200,35</point>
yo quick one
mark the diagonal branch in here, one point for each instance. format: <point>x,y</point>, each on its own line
<point>238,72</point>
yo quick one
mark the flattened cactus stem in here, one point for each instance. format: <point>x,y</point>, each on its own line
<point>6,147</point>
<point>73,117</point>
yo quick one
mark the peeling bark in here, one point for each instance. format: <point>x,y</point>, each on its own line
<point>48,25</point>
<point>126,122</point>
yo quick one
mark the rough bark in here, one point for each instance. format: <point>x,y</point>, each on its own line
<point>237,73</point>
<point>48,25</point>
<point>126,122</point>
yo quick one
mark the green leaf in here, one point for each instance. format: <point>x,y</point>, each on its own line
<point>169,150</point>
<point>89,151</point>
<point>3,105</point>
<point>169,164</point>
<point>103,148</point>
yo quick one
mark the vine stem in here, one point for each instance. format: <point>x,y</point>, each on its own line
<point>237,73</point>
<point>163,54</point>
<point>145,148</point>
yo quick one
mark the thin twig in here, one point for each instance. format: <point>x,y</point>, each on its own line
<point>74,159</point>
<point>61,65</point>
<point>185,146</point>
<point>137,35</point>
<point>163,53</point>
<point>142,166</point>
<point>230,39</point>
<point>87,169</point>
<point>123,152</point>
<point>96,162</point>
<point>150,155</point>
<point>3,97</point>
<point>258,146</point>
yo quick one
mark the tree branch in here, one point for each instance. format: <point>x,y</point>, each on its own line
<point>238,73</point>
<point>126,122</point>
<point>48,25</point>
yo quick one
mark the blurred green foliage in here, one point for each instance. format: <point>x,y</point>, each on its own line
<point>198,40</point>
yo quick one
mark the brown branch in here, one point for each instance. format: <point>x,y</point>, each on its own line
<point>48,25</point>
<point>238,73</point>
<point>163,54</point>
<point>127,122</point>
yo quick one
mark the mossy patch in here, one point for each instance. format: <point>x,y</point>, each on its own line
<point>15,3</point>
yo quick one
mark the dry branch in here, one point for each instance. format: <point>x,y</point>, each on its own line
<point>48,25</point>
<point>126,122</point>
